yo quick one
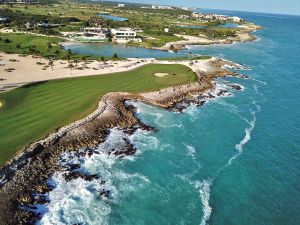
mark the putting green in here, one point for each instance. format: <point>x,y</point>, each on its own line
<point>31,112</point>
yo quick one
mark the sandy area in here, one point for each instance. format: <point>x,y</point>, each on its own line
<point>31,69</point>
<point>161,74</point>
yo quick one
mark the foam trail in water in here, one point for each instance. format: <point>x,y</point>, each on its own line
<point>204,190</point>
<point>259,81</point>
<point>248,131</point>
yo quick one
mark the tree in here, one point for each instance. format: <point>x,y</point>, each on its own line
<point>83,58</point>
<point>7,41</point>
<point>115,56</point>
<point>190,55</point>
<point>51,64</point>
<point>69,54</point>
<point>49,45</point>
<point>56,53</point>
<point>173,50</point>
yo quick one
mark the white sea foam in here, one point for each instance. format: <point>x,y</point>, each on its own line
<point>259,81</point>
<point>144,140</point>
<point>248,130</point>
<point>191,151</point>
<point>204,190</point>
<point>78,201</point>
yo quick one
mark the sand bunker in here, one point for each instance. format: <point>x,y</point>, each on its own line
<point>161,74</point>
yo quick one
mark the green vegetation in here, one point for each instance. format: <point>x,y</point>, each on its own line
<point>157,39</point>
<point>150,22</point>
<point>47,47</point>
<point>31,112</point>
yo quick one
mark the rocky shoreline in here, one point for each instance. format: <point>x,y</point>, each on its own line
<point>23,180</point>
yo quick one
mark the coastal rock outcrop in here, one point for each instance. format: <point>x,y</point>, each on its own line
<point>25,177</point>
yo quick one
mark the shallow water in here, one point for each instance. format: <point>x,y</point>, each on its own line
<point>108,49</point>
<point>233,161</point>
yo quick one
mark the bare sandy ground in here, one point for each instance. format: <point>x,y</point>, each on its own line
<point>161,74</point>
<point>24,70</point>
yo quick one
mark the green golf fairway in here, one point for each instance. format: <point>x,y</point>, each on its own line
<point>31,112</point>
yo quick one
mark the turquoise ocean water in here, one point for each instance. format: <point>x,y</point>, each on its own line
<point>233,161</point>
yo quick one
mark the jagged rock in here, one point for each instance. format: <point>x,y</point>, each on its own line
<point>235,87</point>
<point>75,174</point>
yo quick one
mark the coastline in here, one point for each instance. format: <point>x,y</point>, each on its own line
<point>29,171</point>
<point>244,34</point>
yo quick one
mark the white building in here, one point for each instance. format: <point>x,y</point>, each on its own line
<point>92,34</point>
<point>166,30</point>
<point>161,7</point>
<point>235,19</point>
<point>123,33</point>
<point>121,5</point>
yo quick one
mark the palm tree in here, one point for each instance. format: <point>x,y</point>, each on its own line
<point>83,58</point>
<point>173,50</point>
<point>115,56</point>
<point>69,55</point>
<point>51,64</point>
<point>57,53</point>
<point>190,55</point>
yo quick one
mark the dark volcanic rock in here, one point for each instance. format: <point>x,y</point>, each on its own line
<point>75,174</point>
<point>235,87</point>
<point>104,194</point>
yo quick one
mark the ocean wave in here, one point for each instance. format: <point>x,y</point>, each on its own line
<point>88,201</point>
<point>75,202</point>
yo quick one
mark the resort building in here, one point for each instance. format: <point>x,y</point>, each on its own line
<point>121,5</point>
<point>124,35</point>
<point>161,7</point>
<point>46,24</point>
<point>92,34</point>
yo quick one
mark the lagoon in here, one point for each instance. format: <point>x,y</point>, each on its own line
<point>108,49</point>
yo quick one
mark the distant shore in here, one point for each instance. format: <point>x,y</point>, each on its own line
<point>243,35</point>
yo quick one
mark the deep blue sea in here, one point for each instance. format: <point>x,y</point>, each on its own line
<point>233,161</point>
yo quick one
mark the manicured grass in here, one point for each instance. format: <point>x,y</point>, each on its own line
<point>30,113</point>
<point>21,43</point>
<point>155,40</point>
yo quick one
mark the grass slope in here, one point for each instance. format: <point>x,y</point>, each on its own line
<point>30,113</point>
